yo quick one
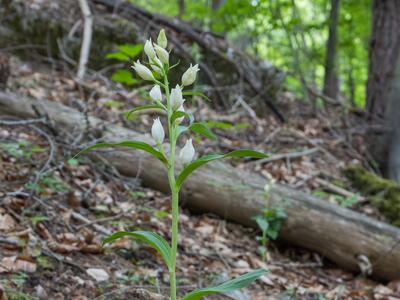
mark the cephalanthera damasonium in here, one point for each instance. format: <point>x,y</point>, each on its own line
<point>178,123</point>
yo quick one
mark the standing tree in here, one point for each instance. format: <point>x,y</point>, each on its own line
<point>331,80</point>
<point>383,86</point>
<point>181,8</point>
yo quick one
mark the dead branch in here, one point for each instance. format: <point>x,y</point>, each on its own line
<point>86,39</point>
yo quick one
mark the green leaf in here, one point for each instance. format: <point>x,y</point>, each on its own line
<point>231,285</point>
<point>219,124</point>
<point>177,115</point>
<point>130,144</point>
<point>118,56</point>
<point>113,104</point>
<point>123,76</point>
<point>196,93</point>
<point>129,113</point>
<point>153,239</point>
<point>131,50</point>
<point>195,165</point>
<point>207,158</point>
<point>262,223</point>
<point>203,129</point>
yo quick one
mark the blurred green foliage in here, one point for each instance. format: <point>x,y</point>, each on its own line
<point>291,34</point>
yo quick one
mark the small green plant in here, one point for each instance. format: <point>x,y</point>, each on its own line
<point>125,53</point>
<point>270,223</point>
<point>172,103</point>
<point>21,149</point>
<point>344,202</point>
<point>49,182</point>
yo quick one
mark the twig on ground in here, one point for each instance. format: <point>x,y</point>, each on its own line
<point>22,122</point>
<point>102,220</point>
<point>313,143</point>
<point>52,145</point>
<point>339,190</point>
<point>271,135</point>
<point>286,156</point>
<point>79,217</point>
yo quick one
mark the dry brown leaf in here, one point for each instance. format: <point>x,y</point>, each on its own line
<point>14,264</point>
<point>7,222</point>
<point>92,249</point>
<point>63,248</point>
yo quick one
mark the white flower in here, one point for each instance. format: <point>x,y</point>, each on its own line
<point>143,71</point>
<point>155,93</point>
<point>149,50</point>
<point>181,108</point>
<point>157,131</point>
<point>162,54</point>
<point>187,153</point>
<point>176,97</point>
<point>156,64</point>
<point>162,39</point>
<point>190,75</point>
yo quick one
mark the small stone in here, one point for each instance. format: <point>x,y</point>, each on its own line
<point>98,274</point>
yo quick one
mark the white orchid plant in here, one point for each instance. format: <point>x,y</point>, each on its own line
<point>172,103</point>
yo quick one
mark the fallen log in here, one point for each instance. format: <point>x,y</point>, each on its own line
<point>338,234</point>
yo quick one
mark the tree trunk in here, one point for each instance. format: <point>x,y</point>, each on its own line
<point>393,120</point>
<point>331,80</point>
<point>383,54</point>
<point>216,4</point>
<point>181,8</point>
<point>383,101</point>
<point>339,234</point>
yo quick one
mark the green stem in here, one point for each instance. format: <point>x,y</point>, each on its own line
<point>174,193</point>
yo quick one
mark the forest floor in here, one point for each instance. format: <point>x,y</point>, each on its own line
<point>54,211</point>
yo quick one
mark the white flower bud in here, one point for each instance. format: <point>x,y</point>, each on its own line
<point>143,71</point>
<point>157,131</point>
<point>149,50</point>
<point>162,54</point>
<point>156,65</point>
<point>176,97</point>
<point>190,75</point>
<point>181,108</point>
<point>162,39</point>
<point>155,93</point>
<point>187,153</point>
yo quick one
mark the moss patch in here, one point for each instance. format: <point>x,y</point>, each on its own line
<point>383,193</point>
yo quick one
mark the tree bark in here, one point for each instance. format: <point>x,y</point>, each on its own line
<point>393,120</point>
<point>383,54</point>
<point>181,8</point>
<point>331,80</point>
<point>339,234</point>
<point>383,85</point>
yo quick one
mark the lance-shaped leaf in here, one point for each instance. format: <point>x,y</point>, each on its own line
<point>178,114</point>
<point>203,129</point>
<point>229,286</point>
<point>129,113</point>
<point>130,144</point>
<point>196,93</point>
<point>190,168</point>
<point>152,239</point>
